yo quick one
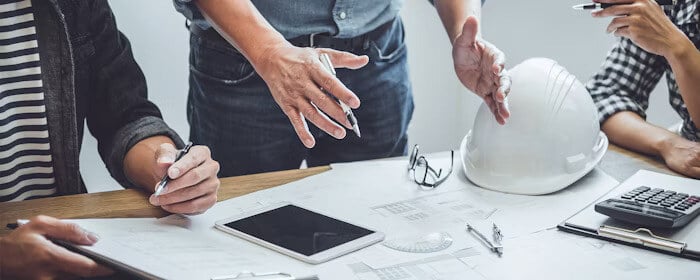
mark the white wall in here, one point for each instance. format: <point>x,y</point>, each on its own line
<point>444,110</point>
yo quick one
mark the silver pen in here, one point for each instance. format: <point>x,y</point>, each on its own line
<point>164,182</point>
<point>326,61</point>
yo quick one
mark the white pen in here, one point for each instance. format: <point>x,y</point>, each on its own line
<point>326,61</point>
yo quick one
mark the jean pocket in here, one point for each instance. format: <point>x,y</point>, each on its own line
<point>390,46</point>
<point>212,62</point>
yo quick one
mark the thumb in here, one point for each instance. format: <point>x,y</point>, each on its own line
<point>469,32</point>
<point>57,229</point>
<point>165,155</point>
<point>346,59</point>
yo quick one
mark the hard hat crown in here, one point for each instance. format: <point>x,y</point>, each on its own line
<point>552,139</point>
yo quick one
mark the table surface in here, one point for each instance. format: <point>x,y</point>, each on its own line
<point>618,163</point>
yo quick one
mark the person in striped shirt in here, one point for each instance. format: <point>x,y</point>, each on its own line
<point>63,63</point>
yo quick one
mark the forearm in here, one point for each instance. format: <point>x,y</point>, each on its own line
<point>629,130</point>
<point>454,13</point>
<point>242,25</point>
<point>140,164</point>
<point>685,64</point>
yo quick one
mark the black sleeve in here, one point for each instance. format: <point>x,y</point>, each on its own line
<point>119,114</point>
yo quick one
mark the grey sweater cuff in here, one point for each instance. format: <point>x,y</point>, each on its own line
<point>128,136</point>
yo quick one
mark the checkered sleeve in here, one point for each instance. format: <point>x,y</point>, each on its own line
<point>625,80</point>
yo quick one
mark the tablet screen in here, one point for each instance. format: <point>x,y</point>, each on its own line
<point>299,230</point>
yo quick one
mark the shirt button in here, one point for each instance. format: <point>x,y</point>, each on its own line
<point>342,15</point>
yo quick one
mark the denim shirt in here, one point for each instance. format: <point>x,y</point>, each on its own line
<point>89,74</point>
<point>341,18</point>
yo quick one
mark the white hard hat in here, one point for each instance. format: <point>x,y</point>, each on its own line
<point>551,140</point>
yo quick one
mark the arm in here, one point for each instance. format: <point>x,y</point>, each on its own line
<point>294,75</point>
<point>684,59</point>
<point>136,145</point>
<point>645,23</point>
<point>622,97</point>
<point>479,64</point>
<point>632,132</point>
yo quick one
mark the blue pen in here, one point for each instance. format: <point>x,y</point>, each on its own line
<point>164,182</point>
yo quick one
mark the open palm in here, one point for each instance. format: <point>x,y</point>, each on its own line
<point>480,67</point>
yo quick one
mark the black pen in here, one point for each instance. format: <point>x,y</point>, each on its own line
<point>598,6</point>
<point>163,182</point>
<point>19,223</point>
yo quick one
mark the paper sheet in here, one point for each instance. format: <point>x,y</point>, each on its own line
<point>165,251</point>
<point>552,254</point>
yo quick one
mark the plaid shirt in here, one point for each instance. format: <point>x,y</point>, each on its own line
<point>629,73</point>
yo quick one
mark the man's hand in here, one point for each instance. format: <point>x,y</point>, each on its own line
<point>643,22</point>
<point>193,186</point>
<point>480,67</point>
<point>297,81</point>
<point>682,156</point>
<point>27,252</point>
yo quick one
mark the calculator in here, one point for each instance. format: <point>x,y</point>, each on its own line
<point>652,207</point>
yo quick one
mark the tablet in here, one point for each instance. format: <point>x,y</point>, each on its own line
<point>300,233</point>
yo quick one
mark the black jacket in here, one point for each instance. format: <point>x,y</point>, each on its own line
<point>89,73</point>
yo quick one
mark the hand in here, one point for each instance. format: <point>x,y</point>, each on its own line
<point>480,67</point>
<point>193,186</point>
<point>682,156</point>
<point>296,78</point>
<point>643,22</point>
<point>27,253</point>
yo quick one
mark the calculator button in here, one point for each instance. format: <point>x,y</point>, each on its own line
<point>669,192</point>
<point>653,202</point>
<point>642,188</point>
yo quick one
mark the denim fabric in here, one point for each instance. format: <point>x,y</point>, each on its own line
<point>297,18</point>
<point>231,109</point>
<point>340,18</point>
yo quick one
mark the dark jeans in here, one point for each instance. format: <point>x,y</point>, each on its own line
<point>231,110</point>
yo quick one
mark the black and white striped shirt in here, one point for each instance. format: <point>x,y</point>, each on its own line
<point>25,153</point>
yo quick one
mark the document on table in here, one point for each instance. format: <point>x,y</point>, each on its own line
<point>553,254</point>
<point>155,250</point>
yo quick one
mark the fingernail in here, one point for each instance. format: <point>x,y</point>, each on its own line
<point>154,200</point>
<point>93,237</point>
<point>166,159</point>
<point>354,103</point>
<point>174,172</point>
<point>308,143</point>
<point>339,133</point>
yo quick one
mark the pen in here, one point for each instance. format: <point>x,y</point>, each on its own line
<point>597,6</point>
<point>326,61</point>
<point>20,222</point>
<point>163,182</point>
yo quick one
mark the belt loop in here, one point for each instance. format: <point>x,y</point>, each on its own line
<point>311,40</point>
